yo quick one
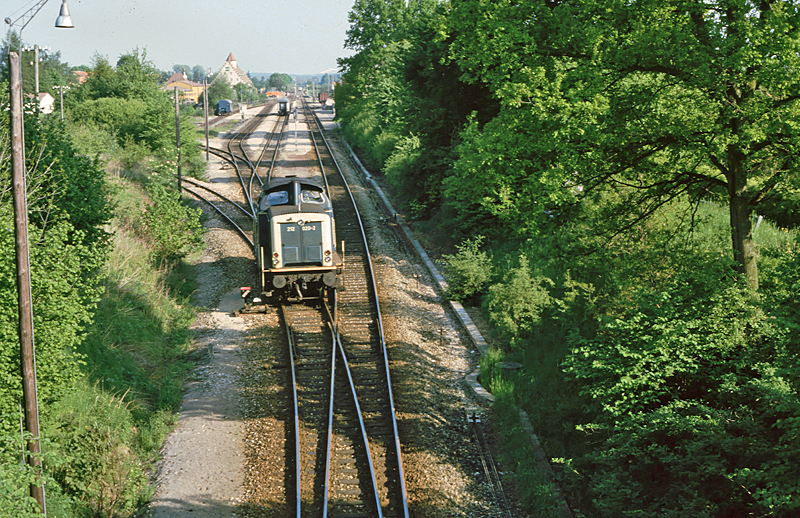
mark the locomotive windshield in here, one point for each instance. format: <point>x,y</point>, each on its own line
<point>309,196</point>
<point>275,198</point>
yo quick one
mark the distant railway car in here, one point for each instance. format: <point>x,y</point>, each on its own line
<point>295,242</point>
<point>284,106</point>
<point>224,106</point>
<point>323,97</point>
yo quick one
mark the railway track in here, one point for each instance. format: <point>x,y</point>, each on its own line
<point>342,456</point>
<point>345,458</point>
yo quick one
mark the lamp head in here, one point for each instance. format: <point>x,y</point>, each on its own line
<point>64,20</point>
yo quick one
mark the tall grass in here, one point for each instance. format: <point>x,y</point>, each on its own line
<point>110,429</point>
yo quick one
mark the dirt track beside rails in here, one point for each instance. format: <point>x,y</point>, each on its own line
<point>225,457</point>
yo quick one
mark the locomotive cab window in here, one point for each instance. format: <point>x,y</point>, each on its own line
<point>275,198</point>
<point>309,196</point>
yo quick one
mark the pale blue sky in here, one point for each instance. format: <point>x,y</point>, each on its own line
<point>292,37</point>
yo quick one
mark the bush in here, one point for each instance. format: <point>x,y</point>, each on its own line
<point>468,271</point>
<point>172,228</point>
<point>695,405</point>
<point>94,431</point>
<point>515,305</point>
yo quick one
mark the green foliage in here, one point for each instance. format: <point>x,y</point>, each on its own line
<point>67,244</point>
<point>172,228</point>
<point>688,390</point>
<point>400,104</point>
<point>280,82</point>
<point>515,304</point>
<point>93,431</point>
<point>16,478</point>
<point>219,89</point>
<point>127,102</point>
<point>516,450</point>
<point>122,117</point>
<point>468,271</point>
<point>94,140</point>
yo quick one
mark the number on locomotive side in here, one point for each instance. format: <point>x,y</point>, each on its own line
<point>306,228</point>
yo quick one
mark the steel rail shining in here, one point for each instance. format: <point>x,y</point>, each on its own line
<point>338,341</point>
<point>277,147</point>
<point>332,322</point>
<point>242,233</point>
<point>292,351</point>
<point>380,327</point>
<point>212,191</point>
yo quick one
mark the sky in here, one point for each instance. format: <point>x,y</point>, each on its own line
<point>265,36</point>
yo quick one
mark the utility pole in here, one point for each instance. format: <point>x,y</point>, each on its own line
<point>178,136</point>
<point>27,351</point>
<point>205,110</point>
<point>61,96</point>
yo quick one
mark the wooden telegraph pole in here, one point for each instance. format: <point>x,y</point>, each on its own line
<point>27,355</point>
<point>178,136</point>
<point>205,110</point>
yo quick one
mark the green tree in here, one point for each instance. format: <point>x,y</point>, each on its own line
<point>219,89</point>
<point>198,73</point>
<point>173,228</point>
<point>280,82</point>
<point>651,99</point>
<point>68,209</point>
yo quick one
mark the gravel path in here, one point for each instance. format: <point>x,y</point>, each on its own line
<point>225,457</point>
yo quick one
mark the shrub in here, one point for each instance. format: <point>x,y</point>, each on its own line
<point>172,228</point>
<point>468,271</point>
<point>695,406</point>
<point>515,304</point>
<point>94,431</point>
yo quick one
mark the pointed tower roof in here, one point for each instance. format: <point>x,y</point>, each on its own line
<point>230,57</point>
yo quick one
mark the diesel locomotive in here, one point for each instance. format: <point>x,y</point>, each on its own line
<point>295,242</point>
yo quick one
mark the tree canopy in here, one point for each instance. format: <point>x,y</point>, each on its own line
<point>653,100</point>
<point>280,82</point>
<point>605,162</point>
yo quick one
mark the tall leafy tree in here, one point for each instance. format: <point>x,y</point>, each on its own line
<point>651,99</point>
<point>219,89</point>
<point>280,82</point>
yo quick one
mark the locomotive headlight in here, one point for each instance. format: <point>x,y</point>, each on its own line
<point>275,259</point>
<point>327,256</point>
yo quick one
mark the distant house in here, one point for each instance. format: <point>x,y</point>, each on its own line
<point>188,91</point>
<point>46,102</point>
<point>235,75</point>
<point>81,76</point>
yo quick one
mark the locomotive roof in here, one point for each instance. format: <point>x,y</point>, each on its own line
<point>280,182</point>
<point>293,201</point>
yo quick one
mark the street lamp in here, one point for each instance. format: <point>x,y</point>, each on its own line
<point>25,329</point>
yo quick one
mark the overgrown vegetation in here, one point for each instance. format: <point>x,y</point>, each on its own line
<point>111,294</point>
<point>607,168</point>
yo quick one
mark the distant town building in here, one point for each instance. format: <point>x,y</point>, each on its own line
<point>188,91</point>
<point>81,76</point>
<point>235,75</point>
<point>46,102</point>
